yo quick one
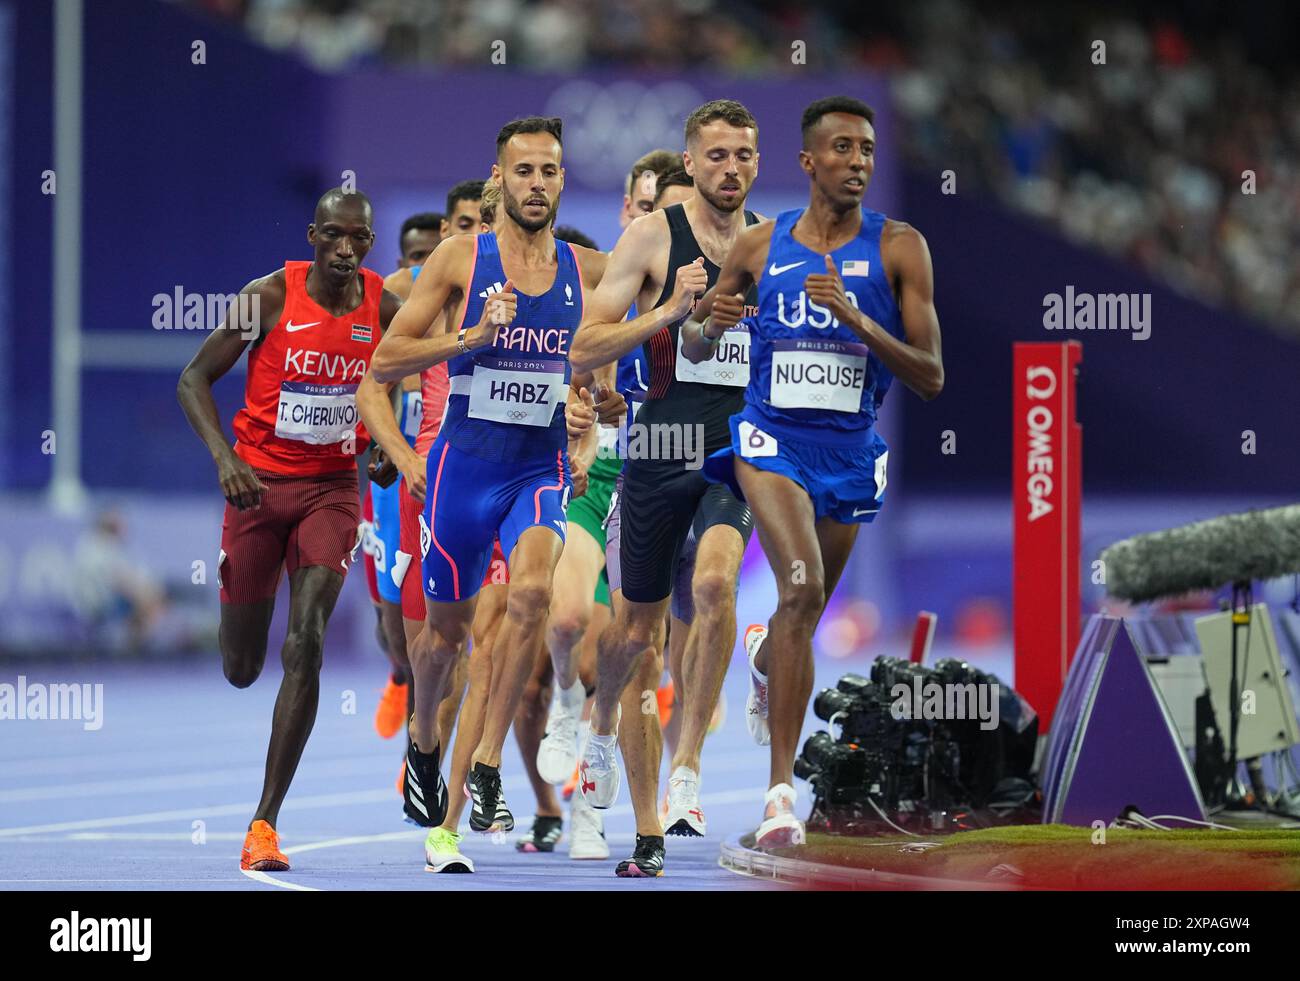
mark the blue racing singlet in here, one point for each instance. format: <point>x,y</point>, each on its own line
<point>633,374</point>
<point>507,401</point>
<point>809,372</point>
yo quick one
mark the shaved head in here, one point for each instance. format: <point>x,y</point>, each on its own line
<point>337,200</point>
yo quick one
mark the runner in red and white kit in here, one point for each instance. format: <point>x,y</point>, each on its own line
<point>290,480</point>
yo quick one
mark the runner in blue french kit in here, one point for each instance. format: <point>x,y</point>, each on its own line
<point>845,305</point>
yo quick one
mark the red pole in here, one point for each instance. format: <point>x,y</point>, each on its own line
<point>1046,478</point>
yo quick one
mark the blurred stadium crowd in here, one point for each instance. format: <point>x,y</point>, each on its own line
<point>1142,157</point>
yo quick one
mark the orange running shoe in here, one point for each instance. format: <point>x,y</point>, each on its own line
<point>401,780</point>
<point>664,696</point>
<point>262,850</point>
<point>392,709</point>
<point>572,784</point>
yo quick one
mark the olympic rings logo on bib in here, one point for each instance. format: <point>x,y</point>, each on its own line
<point>728,365</point>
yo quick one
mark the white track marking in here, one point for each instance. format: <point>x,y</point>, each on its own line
<point>386,795</point>
<point>264,878</point>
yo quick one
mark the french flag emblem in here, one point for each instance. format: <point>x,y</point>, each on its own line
<point>361,332</point>
<point>856,267</point>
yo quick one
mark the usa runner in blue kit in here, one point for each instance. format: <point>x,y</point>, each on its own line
<point>500,465</point>
<point>845,304</point>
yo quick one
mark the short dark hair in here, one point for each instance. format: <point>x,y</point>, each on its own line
<point>728,110</point>
<point>336,196</point>
<point>674,178</point>
<point>425,221</point>
<point>464,191</point>
<point>530,124</point>
<point>835,103</point>
<point>658,161</point>
<point>567,233</point>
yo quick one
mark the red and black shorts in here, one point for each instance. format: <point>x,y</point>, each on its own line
<point>302,521</point>
<point>411,548</point>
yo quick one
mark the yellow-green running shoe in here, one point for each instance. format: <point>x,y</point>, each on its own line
<point>442,854</point>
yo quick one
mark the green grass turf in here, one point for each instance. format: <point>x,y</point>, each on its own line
<point>1057,856</point>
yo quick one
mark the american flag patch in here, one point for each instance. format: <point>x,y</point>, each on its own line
<point>361,332</point>
<point>855,267</point>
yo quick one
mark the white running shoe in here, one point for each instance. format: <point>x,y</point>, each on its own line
<point>598,774</point>
<point>756,703</point>
<point>684,816</point>
<point>557,754</point>
<point>586,831</point>
<point>780,827</point>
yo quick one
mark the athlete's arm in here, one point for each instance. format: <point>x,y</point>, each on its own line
<point>916,361</point>
<point>605,336</point>
<point>385,463</point>
<point>409,346</point>
<point>218,354</point>
<point>582,447</point>
<point>724,305</point>
<point>400,283</point>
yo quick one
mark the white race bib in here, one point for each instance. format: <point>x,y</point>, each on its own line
<point>519,391</point>
<point>728,365</point>
<point>817,374</point>
<point>755,442</point>
<point>316,414</point>
<point>413,416</point>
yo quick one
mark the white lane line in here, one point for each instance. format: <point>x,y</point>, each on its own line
<point>264,878</point>
<point>190,813</point>
<point>341,767</point>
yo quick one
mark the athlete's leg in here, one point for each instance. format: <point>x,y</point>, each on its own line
<point>449,707</point>
<point>434,655</point>
<point>713,636</point>
<point>530,724</point>
<point>641,740</point>
<point>313,591</point>
<point>486,627</point>
<point>243,637</point>
<point>600,619</point>
<point>635,635</point>
<point>784,515</point>
<point>571,601</point>
<point>532,568</point>
<point>394,640</point>
<point>679,637</point>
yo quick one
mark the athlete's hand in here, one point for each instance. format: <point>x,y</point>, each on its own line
<point>726,313</point>
<point>610,406</point>
<point>827,290</point>
<point>692,282</point>
<point>414,472</point>
<point>498,312</point>
<point>381,470</point>
<point>578,473</point>
<point>579,417</point>
<point>239,484</point>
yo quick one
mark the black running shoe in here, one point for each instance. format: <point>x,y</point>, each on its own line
<point>424,792</point>
<point>647,861</point>
<point>489,812</point>
<point>542,837</point>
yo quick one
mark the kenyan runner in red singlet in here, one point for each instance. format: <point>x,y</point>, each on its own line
<point>290,479</point>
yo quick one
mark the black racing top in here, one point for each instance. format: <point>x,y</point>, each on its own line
<point>669,399</point>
